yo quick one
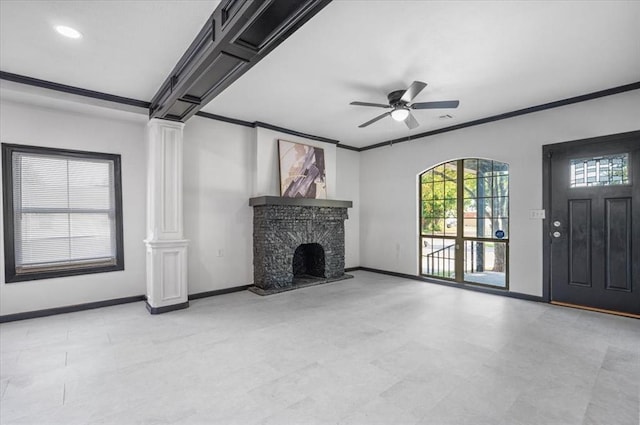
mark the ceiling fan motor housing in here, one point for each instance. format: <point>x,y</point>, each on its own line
<point>394,98</point>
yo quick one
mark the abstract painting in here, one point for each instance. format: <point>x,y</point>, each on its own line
<point>302,171</point>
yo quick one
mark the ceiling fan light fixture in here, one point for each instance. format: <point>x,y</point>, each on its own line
<point>400,114</point>
<point>68,31</point>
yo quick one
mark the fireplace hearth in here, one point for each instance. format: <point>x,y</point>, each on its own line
<point>297,242</point>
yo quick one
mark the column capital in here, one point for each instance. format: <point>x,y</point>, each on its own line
<point>157,122</point>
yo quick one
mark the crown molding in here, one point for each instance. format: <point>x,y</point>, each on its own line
<point>21,79</point>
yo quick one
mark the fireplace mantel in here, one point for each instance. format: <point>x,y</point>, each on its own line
<point>281,226</point>
<point>299,202</point>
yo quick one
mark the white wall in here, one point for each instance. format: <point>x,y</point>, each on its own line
<point>389,190</point>
<point>224,166</point>
<point>39,126</point>
<point>218,175</point>
<point>267,176</point>
<point>348,189</point>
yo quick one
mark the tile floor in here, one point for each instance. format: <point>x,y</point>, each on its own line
<point>370,350</point>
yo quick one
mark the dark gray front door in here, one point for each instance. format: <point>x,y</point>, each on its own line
<point>594,222</point>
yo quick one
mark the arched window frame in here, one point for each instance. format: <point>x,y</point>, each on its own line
<point>464,222</point>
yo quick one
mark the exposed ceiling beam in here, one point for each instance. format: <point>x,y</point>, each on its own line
<point>238,35</point>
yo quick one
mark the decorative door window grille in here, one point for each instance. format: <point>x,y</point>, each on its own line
<point>600,171</point>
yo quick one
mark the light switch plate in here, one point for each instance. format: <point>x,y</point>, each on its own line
<point>537,214</point>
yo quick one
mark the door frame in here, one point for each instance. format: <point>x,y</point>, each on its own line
<point>546,197</point>
<point>460,238</point>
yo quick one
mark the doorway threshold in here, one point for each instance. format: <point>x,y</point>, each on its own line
<point>599,310</point>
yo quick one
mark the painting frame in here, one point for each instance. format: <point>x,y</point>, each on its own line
<point>302,170</point>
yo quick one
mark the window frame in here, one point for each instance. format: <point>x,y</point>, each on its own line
<point>10,272</point>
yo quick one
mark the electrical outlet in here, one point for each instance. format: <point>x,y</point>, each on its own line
<point>537,214</point>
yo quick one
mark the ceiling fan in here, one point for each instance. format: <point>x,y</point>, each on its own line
<point>400,103</point>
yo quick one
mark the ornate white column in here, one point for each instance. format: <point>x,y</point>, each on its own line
<point>166,246</point>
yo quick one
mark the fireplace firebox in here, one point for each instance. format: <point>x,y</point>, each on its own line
<point>308,261</point>
<point>297,242</point>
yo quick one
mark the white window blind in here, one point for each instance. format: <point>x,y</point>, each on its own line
<point>64,212</point>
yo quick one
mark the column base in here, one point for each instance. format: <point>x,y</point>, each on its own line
<point>166,275</point>
<point>167,308</point>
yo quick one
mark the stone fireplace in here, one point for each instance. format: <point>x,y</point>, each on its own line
<point>297,242</point>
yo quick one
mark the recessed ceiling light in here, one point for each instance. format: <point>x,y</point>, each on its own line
<point>68,31</point>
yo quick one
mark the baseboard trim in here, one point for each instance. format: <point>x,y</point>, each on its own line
<point>597,310</point>
<point>218,292</point>
<point>108,303</point>
<point>69,309</point>
<point>166,308</point>
<point>158,310</point>
<point>485,290</point>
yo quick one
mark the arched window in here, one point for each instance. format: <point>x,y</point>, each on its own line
<point>464,222</point>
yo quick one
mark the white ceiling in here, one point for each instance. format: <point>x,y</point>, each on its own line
<point>494,57</point>
<point>128,49</point>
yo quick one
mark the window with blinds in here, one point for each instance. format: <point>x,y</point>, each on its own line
<point>64,211</point>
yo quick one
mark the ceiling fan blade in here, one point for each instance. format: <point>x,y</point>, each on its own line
<point>436,105</point>
<point>413,90</point>
<point>377,105</point>
<point>379,117</point>
<point>411,122</point>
